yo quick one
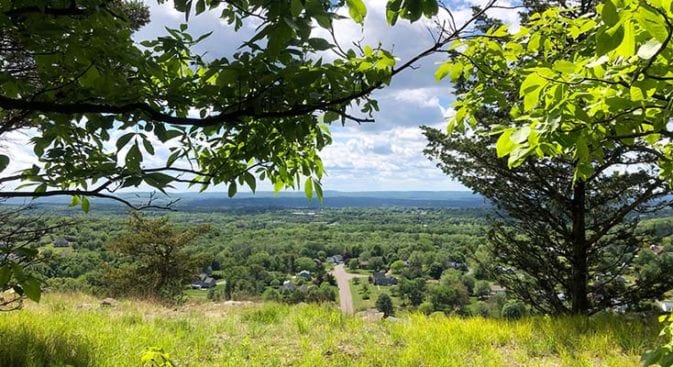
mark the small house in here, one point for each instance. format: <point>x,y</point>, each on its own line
<point>336,259</point>
<point>497,289</point>
<point>287,286</point>
<point>380,278</point>
<point>61,242</point>
<point>204,282</point>
<point>305,274</point>
<point>657,249</point>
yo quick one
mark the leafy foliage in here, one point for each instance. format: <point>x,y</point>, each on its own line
<point>568,219</point>
<point>385,304</point>
<point>98,105</point>
<point>152,261</point>
<point>20,233</point>
<point>585,85</point>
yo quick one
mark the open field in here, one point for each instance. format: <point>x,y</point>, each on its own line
<point>75,330</point>
<point>360,304</point>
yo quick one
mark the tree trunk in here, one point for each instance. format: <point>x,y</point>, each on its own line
<point>580,271</point>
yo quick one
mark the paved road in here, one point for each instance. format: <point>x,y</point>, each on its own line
<point>345,296</point>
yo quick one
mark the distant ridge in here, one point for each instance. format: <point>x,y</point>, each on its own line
<point>216,201</point>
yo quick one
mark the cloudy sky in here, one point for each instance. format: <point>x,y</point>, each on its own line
<point>385,155</point>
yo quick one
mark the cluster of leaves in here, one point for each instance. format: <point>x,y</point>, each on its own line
<point>156,357</point>
<point>586,84</point>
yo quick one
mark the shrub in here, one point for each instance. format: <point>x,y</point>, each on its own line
<point>385,304</point>
<point>513,310</point>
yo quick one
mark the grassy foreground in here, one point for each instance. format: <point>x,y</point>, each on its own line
<point>75,330</point>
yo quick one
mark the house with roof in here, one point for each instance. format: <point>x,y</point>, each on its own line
<point>287,286</point>
<point>497,289</point>
<point>657,249</point>
<point>380,278</point>
<point>204,281</point>
<point>61,242</point>
<point>336,259</point>
<point>304,274</point>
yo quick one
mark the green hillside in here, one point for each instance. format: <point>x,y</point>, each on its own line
<point>76,330</point>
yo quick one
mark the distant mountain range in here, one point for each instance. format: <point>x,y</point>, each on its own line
<point>215,201</point>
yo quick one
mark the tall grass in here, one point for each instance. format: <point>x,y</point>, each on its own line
<point>74,330</point>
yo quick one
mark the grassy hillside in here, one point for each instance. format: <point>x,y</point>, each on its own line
<point>75,330</point>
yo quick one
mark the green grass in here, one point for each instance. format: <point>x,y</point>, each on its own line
<point>360,304</point>
<point>358,271</point>
<point>201,294</point>
<point>74,330</point>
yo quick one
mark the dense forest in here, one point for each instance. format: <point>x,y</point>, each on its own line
<point>438,257</point>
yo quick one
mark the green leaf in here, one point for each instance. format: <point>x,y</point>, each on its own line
<point>330,116</point>
<point>4,162</point>
<point>308,188</point>
<point>533,81</point>
<point>393,11</point>
<point>232,189</point>
<point>521,135</point>
<point>319,44</point>
<point>159,179</point>
<point>505,145</point>
<point>357,10</point>
<point>134,158</point>
<point>442,71</point>
<point>123,140</point>
<point>564,66</point>
<point>609,39</point>
<point>85,204</point>
<point>627,47</point>
<point>200,6</point>
<point>609,13</point>
<point>430,8</point>
<point>296,8</point>
<point>250,181</point>
<point>318,190</point>
<point>636,94</point>
<point>148,146</point>
<point>31,288</point>
<point>581,150</point>
<point>518,156</point>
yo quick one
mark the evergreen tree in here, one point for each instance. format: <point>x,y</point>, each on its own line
<point>564,245</point>
<point>151,259</point>
<point>385,304</point>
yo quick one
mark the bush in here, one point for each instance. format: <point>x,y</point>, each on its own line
<point>513,310</point>
<point>385,304</point>
<point>426,308</point>
<point>482,309</point>
<point>271,295</point>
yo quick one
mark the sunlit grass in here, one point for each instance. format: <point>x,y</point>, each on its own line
<point>75,330</point>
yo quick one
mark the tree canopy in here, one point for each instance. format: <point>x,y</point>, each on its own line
<point>97,105</point>
<point>569,240</point>
<point>585,84</point>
